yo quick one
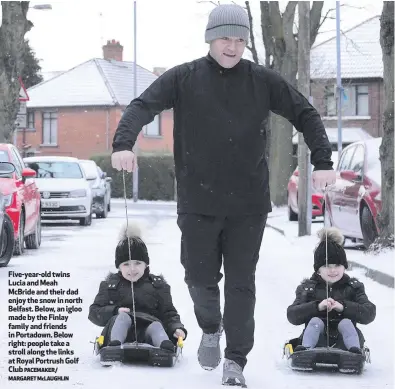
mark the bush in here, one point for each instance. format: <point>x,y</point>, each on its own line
<point>156,177</point>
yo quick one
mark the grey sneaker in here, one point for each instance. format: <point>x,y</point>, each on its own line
<point>209,352</point>
<point>233,374</point>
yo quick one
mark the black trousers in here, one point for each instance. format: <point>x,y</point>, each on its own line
<point>205,242</point>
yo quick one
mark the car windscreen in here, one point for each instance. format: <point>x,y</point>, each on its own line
<point>56,169</point>
<point>4,156</point>
<point>90,169</point>
<point>373,168</point>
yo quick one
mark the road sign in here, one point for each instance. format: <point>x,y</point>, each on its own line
<point>22,108</point>
<point>21,121</point>
<point>23,96</point>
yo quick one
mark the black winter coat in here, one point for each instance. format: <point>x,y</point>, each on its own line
<point>219,139</point>
<point>348,291</point>
<point>153,302</point>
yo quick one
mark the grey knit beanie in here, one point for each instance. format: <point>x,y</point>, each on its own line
<point>227,20</point>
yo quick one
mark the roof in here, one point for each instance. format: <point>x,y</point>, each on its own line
<point>87,162</point>
<point>349,135</point>
<point>371,144</point>
<point>4,146</point>
<point>361,55</point>
<point>97,82</point>
<point>375,142</point>
<point>48,75</point>
<point>50,158</point>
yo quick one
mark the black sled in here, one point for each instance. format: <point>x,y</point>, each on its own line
<point>136,353</point>
<point>333,358</point>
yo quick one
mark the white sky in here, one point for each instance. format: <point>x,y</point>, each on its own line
<point>168,32</point>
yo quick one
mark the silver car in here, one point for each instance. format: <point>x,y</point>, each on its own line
<point>101,188</point>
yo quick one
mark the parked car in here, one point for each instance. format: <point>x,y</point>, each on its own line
<point>317,197</point>
<point>22,200</point>
<point>65,191</point>
<point>7,239</point>
<point>107,181</point>
<point>101,188</point>
<point>352,204</point>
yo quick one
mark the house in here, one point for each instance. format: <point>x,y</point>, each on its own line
<point>362,80</point>
<point>75,112</point>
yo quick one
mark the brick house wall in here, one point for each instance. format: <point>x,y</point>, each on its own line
<point>372,123</point>
<point>162,144</point>
<point>85,131</point>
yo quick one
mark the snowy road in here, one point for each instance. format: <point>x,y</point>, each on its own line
<point>88,254</point>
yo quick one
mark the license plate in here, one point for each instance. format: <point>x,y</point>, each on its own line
<point>50,204</point>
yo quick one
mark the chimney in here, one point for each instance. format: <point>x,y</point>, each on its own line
<point>159,71</point>
<point>113,50</point>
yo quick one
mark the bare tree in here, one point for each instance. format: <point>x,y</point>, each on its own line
<point>281,55</point>
<point>12,50</point>
<point>386,217</point>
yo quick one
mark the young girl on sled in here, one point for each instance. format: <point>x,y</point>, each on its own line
<point>158,322</point>
<point>347,304</point>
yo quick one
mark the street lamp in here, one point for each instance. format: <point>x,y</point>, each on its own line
<point>136,169</point>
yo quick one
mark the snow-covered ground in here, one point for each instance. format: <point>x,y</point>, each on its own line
<point>88,254</point>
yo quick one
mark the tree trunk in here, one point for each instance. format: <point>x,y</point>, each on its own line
<point>12,49</point>
<point>265,125</point>
<point>281,49</point>
<point>281,153</point>
<point>386,217</point>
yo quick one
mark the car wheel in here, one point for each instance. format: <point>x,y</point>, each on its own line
<point>33,241</point>
<point>109,206</point>
<point>86,221</point>
<point>104,214</point>
<point>368,227</point>
<point>19,246</point>
<point>292,216</point>
<point>7,242</point>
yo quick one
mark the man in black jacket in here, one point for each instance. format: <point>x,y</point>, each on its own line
<point>219,102</point>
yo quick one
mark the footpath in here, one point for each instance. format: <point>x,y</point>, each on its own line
<point>378,267</point>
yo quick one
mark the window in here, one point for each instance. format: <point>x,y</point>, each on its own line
<point>357,160</point>
<point>153,128</point>
<point>30,119</point>
<point>56,169</point>
<point>90,169</point>
<point>330,102</point>
<point>345,159</point>
<point>19,158</point>
<point>50,128</point>
<point>4,156</point>
<point>362,106</point>
<point>355,101</point>
<point>18,166</point>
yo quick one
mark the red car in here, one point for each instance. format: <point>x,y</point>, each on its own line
<point>317,197</point>
<point>22,200</point>
<point>352,204</point>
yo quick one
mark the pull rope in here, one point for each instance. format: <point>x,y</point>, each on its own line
<point>130,255</point>
<point>326,264</point>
